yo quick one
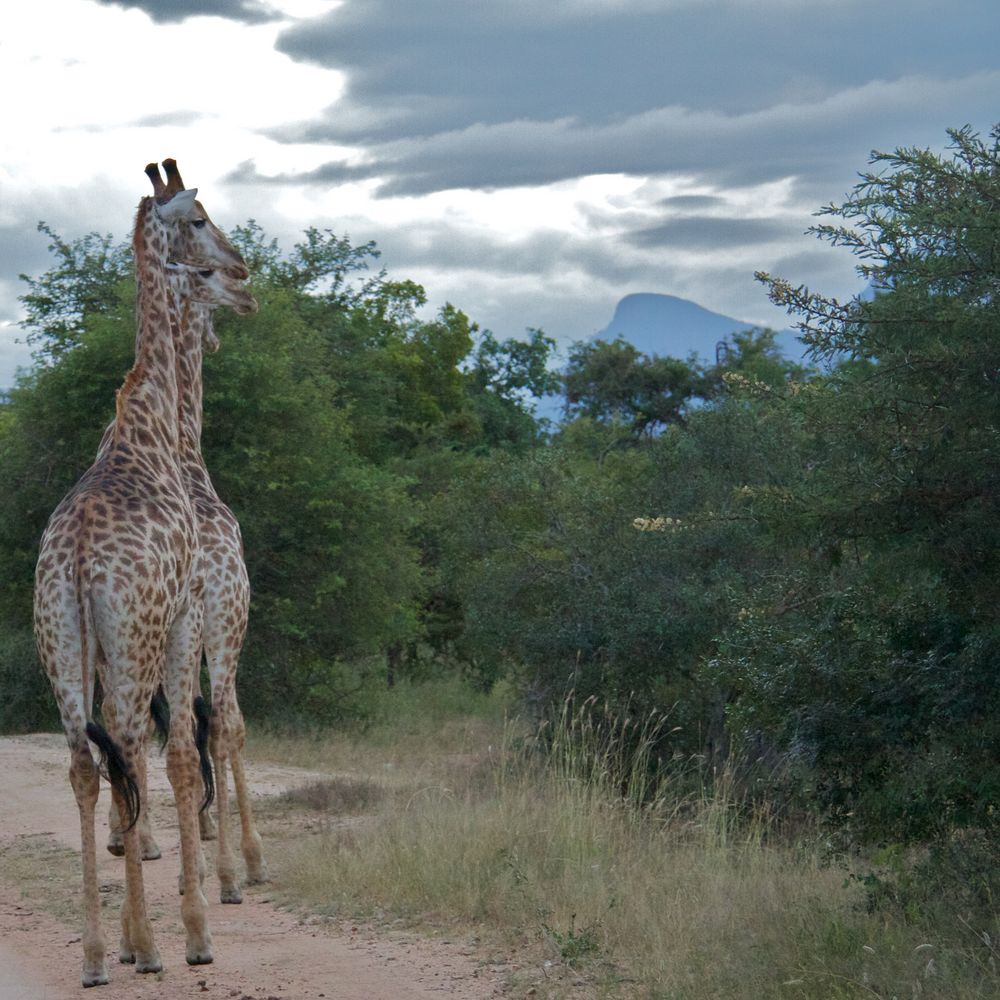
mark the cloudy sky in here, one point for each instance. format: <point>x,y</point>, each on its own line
<point>531,161</point>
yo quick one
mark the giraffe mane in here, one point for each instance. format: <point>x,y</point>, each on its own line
<point>135,377</point>
<point>138,245</point>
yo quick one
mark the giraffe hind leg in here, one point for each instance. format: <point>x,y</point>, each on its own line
<point>121,764</point>
<point>149,849</point>
<point>84,778</point>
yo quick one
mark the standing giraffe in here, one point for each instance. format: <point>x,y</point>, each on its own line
<point>226,590</point>
<point>220,563</point>
<point>115,600</point>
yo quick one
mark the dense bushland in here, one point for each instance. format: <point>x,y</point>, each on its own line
<point>797,564</point>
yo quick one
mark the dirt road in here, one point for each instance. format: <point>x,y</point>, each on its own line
<point>261,953</point>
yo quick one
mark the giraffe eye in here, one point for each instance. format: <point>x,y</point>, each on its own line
<point>206,274</point>
<point>198,223</point>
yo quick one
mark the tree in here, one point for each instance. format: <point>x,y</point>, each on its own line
<point>879,669</point>
<point>503,379</point>
<point>613,381</point>
<point>89,277</point>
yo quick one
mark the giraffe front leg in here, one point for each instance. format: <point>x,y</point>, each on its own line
<point>116,842</point>
<point>250,842</point>
<point>185,777</point>
<point>137,945</point>
<point>148,848</point>
<point>207,827</point>
<point>229,883</point>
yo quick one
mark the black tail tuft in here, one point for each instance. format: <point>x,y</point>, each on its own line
<point>159,711</point>
<point>113,763</point>
<point>202,717</point>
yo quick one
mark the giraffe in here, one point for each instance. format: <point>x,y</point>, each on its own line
<point>115,599</point>
<point>195,295</point>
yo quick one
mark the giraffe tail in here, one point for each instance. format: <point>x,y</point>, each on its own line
<point>117,770</point>
<point>113,762</point>
<point>159,711</point>
<point>202,717</point>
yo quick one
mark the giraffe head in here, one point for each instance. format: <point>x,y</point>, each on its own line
<point>194,238</point>
<point>211,287</point>
<point>220,288</point>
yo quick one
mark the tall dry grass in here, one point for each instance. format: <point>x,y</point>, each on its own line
<point>573,843</point>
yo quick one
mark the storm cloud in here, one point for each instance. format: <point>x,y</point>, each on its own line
<point>443,94</point>
<point>442,65</point>
<point>824,141</point>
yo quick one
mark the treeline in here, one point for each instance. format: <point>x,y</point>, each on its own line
<point>799,564</point>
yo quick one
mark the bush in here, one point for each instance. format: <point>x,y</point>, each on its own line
<point>27,704</point>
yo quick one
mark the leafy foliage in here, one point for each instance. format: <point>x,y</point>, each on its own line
<point>612,380</point>
<point>798,564</point>
<point>881,676</point>
<point>318,411</point>
<point>87,279</point>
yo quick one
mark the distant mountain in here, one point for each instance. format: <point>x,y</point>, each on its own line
<point>668,325</point>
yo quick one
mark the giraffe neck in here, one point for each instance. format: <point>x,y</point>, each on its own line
<point>194,323</point>
<point>148,401</point>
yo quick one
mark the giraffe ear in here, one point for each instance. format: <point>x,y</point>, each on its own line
<point>180,206</point>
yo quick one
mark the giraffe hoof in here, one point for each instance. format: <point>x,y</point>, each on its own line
<point>258,874</point>
<point>203,957</point>
<point>149,852</point>
<point>126,957</point>
<point>94,977</point>
<point>233,895</point>
<point>151,963</point>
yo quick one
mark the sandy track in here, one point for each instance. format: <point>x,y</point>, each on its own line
<point>260,952</point>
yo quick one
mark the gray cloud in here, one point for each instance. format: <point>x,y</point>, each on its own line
<point>825,141</point>
<point>179,117</point>
<point>692,202</point>
<point>20,253</point>
<point>441,65</point>
<point>175,11</point>
<point>14,353</point>
<point>704,232</point>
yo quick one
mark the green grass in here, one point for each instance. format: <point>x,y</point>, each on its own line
<point>624,883</point>
<point>442,716</point>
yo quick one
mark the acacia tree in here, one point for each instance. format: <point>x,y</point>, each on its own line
<point>879,669</point>
<point>612,381</point>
